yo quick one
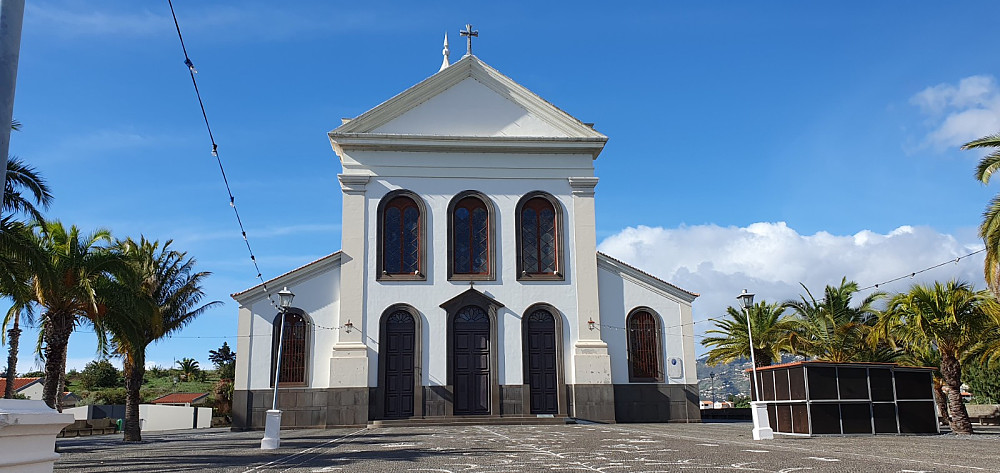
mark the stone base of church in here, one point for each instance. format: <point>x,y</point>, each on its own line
<point>593,402</point>
<point>656,403</point>
<point>338,407</point>
<point>302,407</point>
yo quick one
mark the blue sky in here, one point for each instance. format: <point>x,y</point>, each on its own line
<point>752,144</point>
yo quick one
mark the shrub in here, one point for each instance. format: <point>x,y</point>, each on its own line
<point>100,374</point>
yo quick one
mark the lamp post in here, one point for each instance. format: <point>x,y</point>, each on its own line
<point>761,425</point>
<point>712,375</point>
<point>272,422</point>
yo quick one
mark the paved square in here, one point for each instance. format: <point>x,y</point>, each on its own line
<point>506,448</point>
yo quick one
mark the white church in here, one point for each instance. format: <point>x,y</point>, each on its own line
<point>468,284</point>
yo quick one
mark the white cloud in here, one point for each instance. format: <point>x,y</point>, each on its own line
<point>771,259</point>
<point>959,113</point>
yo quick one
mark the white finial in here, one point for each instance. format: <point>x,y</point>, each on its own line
<point>444,52</point>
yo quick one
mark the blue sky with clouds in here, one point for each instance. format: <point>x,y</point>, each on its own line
<point>752,144</point>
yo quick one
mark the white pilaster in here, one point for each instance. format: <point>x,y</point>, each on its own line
<point>349,365</point>
<point>244,349</point>
<point>592,364</point>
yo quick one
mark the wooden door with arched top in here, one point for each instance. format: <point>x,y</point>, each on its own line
<point>398,358</point>
<point>542,377</point>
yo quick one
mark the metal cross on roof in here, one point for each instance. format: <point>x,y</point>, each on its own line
<point>469,33</point>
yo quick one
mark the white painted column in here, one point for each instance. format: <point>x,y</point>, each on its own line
<point>244,349</point>
<point>28,432</point>
<point>592,364</point>
<point>349,365</point>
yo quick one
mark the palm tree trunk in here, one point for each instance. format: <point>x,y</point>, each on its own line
<point>56,337</point>
<point>942,399</point>
<point>134,371</point>
<point>14,335</point>
<point>951,373</point>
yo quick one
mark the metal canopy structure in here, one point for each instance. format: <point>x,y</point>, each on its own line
<point>809,398</point>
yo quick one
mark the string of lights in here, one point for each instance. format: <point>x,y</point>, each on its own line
<point>914,273</point>
<point>215,153</point>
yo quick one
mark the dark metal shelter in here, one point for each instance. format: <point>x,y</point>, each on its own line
<point>820,398</point>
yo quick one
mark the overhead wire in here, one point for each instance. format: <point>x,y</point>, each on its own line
<point>215,153</point>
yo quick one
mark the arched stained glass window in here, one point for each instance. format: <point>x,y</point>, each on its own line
<point>539,238</point>
<point>643,347</point>
<point>401,231</point>
<point>293,349</point>
<point>471,237</point>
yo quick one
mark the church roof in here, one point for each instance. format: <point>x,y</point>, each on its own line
<point>626,269</point>
<point>287,278</point>
<point>472,105</point>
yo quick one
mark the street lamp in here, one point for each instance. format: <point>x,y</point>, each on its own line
<point>761,425</point>
<point>712,375</point>
<point>272,422</point>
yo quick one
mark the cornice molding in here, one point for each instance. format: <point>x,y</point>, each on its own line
<point>457,144</point>
<point>256,293</point>
<point>645,280</point>
<point>353,183</point>
<point>583,186</point>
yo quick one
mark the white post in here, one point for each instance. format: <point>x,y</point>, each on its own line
<point>11,16</point>
<point>272,421</point>
<point>28,432</point>
<point>761,424</point>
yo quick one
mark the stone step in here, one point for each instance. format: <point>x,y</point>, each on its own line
<point>471,420</point>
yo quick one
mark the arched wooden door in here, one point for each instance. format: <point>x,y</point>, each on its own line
<point>541,365</point>
<point>398,356</point>
<point>471,332</point>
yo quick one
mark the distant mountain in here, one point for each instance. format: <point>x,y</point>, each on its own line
<point>730,378</point>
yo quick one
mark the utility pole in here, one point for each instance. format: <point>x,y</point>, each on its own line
<point>11,16</point>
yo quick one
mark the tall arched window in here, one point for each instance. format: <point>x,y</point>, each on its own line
<point>644,347</point>
<point>401,236</point>
<point>539,229</point>
<point>293,349</point>
<point>470,239</point>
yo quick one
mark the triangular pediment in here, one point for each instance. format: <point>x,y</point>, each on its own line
<point>468,99</point>
<point>471,296</point>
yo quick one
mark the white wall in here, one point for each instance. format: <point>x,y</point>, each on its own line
<point>79,413</point>
<point>317,294</point>
<point>154,418</point>
<point>204,417</point>
<point>427,296</point>
<point>34,392</point>
<point>619,295</point>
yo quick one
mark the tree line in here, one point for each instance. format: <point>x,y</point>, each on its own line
<point>131,292</point>
<point>942,325</point>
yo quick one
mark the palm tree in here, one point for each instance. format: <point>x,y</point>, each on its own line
<point>771,328</point>
<point>833,330</point>
<point>21,307</point>
<point>157,293</point>
<point>189,368</point>
<point>20,178</point>
<point>989,230</point>
<point>64,288</point>
<point>948,317</point>
<point>24,191</point>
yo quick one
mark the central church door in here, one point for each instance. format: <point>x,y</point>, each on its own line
<point>399,380</point>
<point>542,377</point>
<point>471,332</point>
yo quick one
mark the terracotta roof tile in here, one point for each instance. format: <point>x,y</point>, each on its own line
<point>19,384</point>
<point>180,398</point>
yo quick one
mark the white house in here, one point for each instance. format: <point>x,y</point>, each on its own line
<point>469,282</point>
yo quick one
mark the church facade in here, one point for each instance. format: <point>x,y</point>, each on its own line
<point>469,282</point>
